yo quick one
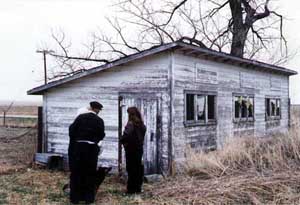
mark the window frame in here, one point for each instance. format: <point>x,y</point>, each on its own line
<point>195,121</point>
<point>243,119</point>
<point>273,117</point>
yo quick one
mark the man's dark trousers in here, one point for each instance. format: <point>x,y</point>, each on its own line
<point>83,159</point>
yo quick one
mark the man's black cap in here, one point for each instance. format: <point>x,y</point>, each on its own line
<point>96,105</point>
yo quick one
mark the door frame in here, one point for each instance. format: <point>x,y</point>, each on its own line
<point>141,95</point>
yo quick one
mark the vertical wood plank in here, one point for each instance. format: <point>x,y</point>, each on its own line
<point>40,130</point>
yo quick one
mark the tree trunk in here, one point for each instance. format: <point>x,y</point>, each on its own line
<point>238,42</point>
<point>240,30</point>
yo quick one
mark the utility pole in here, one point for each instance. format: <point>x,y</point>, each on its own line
<point>44,52</point>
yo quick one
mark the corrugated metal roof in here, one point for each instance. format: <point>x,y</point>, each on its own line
<point>187,49</point>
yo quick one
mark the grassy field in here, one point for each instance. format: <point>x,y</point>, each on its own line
<point>246,171</point>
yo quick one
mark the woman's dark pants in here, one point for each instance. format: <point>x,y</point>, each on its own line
<point>135,170</point>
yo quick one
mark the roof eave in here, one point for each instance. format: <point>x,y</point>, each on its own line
<point>240,60</point>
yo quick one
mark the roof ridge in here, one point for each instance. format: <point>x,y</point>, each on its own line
<point>179,44</point>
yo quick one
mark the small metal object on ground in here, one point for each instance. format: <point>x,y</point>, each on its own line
<point>153,178</point>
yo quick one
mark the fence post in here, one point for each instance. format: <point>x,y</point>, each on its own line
<point>4,118</point>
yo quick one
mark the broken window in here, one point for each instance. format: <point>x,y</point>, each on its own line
<point>273,108</point>
<point>200,108</point>
<point>244,108</point>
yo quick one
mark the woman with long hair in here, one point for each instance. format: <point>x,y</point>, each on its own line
<point>133,141</point>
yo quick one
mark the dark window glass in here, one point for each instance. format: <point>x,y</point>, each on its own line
<point>244,108</point>
<point>268,107</point>
<point>190,107</point>
<point>273,107</point>
<point>250,107</point>
<point>211,107</point>
<point>201,107</point>
<point>237,107</point>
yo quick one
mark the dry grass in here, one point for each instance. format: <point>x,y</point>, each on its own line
<point>245,171</point>
<point>277,188</point>
<point>280,152</point>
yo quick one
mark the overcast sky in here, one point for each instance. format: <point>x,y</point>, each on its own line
<point>26,25</point>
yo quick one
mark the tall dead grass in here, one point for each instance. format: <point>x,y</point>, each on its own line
<point>246,171</point>
<point>275,153</point>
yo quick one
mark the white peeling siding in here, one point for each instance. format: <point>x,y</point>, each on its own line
<point>61,103</point>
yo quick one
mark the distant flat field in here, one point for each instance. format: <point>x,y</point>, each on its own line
<point>20,110</point>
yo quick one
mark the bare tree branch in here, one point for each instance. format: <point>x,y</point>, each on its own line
<point>243,28</point>
<point>60,42</point>
<point>281,27</point>
<point>258,36</point>
<point>80,58</point>
<point>117,27</point>
<point>217,9</point>
<point>173,11</point>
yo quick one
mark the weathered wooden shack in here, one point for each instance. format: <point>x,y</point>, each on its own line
<point>189,97</point>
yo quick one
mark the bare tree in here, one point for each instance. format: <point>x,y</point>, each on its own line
<point>239,27</point>
<point>5,110</point>
<point>243,28</point>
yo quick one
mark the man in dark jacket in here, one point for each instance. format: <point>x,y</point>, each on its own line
<point>85,133</point>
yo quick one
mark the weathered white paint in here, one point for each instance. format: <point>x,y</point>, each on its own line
<point>166,76</point>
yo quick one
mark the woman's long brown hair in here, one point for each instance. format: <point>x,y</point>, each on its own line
<point>135,116</point>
